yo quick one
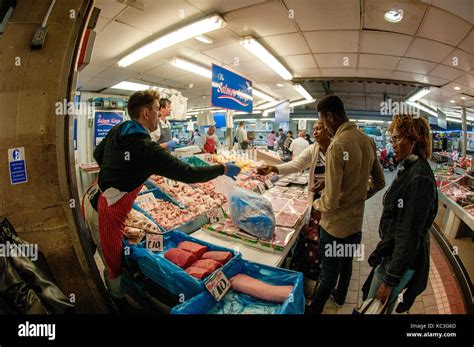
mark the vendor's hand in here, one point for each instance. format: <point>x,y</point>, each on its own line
<point>318,186</point>
<point>231,170</point>
<point>171,144</point>
<point>264,170</point>
<point>383,293</point>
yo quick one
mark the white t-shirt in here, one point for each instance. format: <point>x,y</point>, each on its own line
<point>298,146</point>
<point>155,136</point>
<point>241,135</point>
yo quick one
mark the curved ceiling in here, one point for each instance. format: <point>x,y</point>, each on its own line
<point>315,39</point>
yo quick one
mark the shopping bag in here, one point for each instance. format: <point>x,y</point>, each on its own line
<point>372,306</point>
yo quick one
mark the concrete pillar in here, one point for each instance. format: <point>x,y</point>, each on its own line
<point>31,82</point>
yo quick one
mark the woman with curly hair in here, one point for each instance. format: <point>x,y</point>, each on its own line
<point>401,259</point>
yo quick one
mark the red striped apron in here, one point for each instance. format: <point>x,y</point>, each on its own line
<point>111,226</point>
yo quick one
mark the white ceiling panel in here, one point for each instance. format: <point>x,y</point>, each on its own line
<point>415,65</point>
<point>220,37</point>
<point>436,81</point>
<point>146,78</point>
<point>374,11</point>
<point>299,73</point>
<point>374,73</point>
<point>260,20</point>
<point>219,6</point>
<point>227,53</point>
<point>384,43</point>
<point>464,61</point>
<point>375,61</point>
<point>107,39</point>
<point>468,43</point>
<point>336,60</point>
<point>160,17</point>
<point>428,50</point>
<point>109,8</point>
<point>332,41</point>
<point>407,76</point>
<point>167,71</point>
<point>92,70</point>
<point>450,87</point>
<point>286,44</point>
<point>253,66</point>
<point>82,81</point>
<point>265,77</point>
<point>325,14</point>
<point>466,80</point>
<point>452,31</point>
<point>297,62</point>
<point>443,71</point>
<point>101,23</point>
<point>97,84</point>
<point>338,72</point>
<point>104,57</point>
<point>116,74</point>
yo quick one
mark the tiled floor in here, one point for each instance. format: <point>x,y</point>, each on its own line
<point>442,296</point>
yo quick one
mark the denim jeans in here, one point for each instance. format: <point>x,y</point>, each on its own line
<point>335,266</point>
<point>377,281</point>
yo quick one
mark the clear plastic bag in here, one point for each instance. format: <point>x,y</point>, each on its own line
<point>249,211</point>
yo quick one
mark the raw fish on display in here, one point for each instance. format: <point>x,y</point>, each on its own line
<point>258,289</point>
<point>192,247</point>
<point>181,258</point>
<point>220,256</point>
<point>198,272</point>
<point>208,264</point>
<point>296,206</point>
<point>278,203</point>
<point>287,219</point>
<point>234,303</point>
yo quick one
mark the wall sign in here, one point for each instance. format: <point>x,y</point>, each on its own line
<point>103,122</point>
<point>17,165</point>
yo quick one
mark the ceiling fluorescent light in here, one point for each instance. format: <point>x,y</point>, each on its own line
<point>267,105</point>
<point>182,34</point>
<point>454,120</point>
<point>393,16</point>
<point>304,93</point>
<point>263,96</point>
<point>423,108</point>
<point>204,39</point>
<point>301,102</point>
<point>265,56</point>
<point>419,94</point>
<point>124,85</point>
<point>191,67</point>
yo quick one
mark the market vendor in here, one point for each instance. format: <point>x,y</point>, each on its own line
<point>162,134</point>
<point>127,157</point>
<point>210,142</point>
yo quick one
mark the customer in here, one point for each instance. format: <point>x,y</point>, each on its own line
<point>299,145</point>
<point>242,136</point>
<point>288,139</point>
<point>307,138</point>
<point>127,157</point>
<point>271,140</point>
<point>306,258</point>
<point>281,138</point>
<point>162,134</point>
<point>409,208</point>
<point>196,139</point>
<point>210,142</point>
<point>352,175</point>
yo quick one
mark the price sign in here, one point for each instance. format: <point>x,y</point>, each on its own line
<point>154,242</point>
<point>145,198</point>
<point>269,183</point>
<point>218,285</point>
<point>261,188</point>
<point>216,215</point>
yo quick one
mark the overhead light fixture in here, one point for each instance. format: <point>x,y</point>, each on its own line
<point>268,105</point>
<point>394,16</point>
<point>454,120</point>
<point>423,108</point>
<point>463,97</point>
<point>304,93</point>
<point>419,94</point>
<point>457,88</point>
<point>204,39</point>
<point>191,67</point>
<point>280,85</point>
<point>263,96</point>
<point>124,85</point>
<point>301,102</point>
<point>182,34</point>
<point>254,47</point>
<point>452,101</point>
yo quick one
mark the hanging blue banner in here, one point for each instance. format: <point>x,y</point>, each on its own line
<point>103,122</point>
<point>230,90</point>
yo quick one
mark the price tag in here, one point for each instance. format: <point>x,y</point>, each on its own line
<point>216,215</point>
<point>154,242</point>
<point>145,198</point>
<point>269,183</point>
<point>261,188</point>
<point>218,285</point>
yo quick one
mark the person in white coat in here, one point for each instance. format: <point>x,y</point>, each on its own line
<point>299,145</point>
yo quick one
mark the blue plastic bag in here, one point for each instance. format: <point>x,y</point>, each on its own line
<point>249,211</point>
<point>238,303</point>
<point>168,275</point>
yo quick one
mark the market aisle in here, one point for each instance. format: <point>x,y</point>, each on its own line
<point>442,294</point>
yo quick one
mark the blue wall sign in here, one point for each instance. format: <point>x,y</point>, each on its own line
<point>230,90</point>
<point>103,122</point>
<point>17,165</point>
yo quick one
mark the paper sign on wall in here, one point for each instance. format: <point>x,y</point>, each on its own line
<point>17,165</point>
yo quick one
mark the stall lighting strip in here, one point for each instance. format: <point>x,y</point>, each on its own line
<point>301,102</point>
<point>304,93</point>
<point>254,47</point>
<point>184,33</point>
<point>419,94</point>
<point>423,108</point>
<point>124,85</point>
